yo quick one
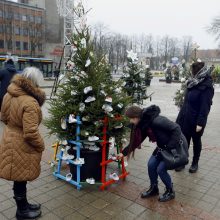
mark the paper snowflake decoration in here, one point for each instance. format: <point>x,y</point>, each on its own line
<point>132,55</point>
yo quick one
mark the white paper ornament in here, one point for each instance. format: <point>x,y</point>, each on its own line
<point>88,62</point>
<point>87,89</point>
<point>83,42</point>
<point>72,119</point>
<point>90,99</point>
<point>132,55</point>
<point>82,107</point>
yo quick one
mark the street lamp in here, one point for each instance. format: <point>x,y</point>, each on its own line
<point>195,48</point>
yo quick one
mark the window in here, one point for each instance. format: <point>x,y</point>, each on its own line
<point>1,28</point>
<point>25,31</point>
<point>9,30</point>
<point>40,47</point>
<point>18,45</point>
<point>17,30</point>
<point>39,20</point>
<point>24,17</point>
<point>31,18</point>
<point>1,43</point>
<point>9,44</point>
<point>17,16</point>
<point>9,15</point>
<point>25,45</point>
<point>39,34</point>
<point>31,32</point>
<point>1,13</point>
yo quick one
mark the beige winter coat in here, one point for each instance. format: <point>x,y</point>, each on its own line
<point>21,146</point>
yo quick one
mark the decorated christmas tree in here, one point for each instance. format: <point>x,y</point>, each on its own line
<point>180,94</point>
<point>134,78</point>
<point>87,91</point>
<point>148,75</point>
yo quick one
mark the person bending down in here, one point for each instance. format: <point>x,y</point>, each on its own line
<point>167,134</point>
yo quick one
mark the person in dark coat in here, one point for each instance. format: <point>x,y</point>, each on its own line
<point>167,134</point>
<point>193,115</point>
<point>5,77</point>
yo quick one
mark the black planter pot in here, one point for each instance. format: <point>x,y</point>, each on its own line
<point>91,168</point>
<point>168,80</point>
<point>148,82</point>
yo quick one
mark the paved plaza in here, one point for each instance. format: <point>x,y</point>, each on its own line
<point>197,195</point>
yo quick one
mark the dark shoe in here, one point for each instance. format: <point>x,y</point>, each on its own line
<point>23,210</point>
<point>179,169</point>
<point>167,196</point>
<point>34,206</point>
<point>194,168</point>
<point>153,191</point>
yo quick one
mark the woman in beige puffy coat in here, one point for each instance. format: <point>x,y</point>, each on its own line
<point>22,145</point>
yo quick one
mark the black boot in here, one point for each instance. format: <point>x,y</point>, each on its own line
<point>32,206</point>
<point>167,196</point>
<point>179,169</point>
<point>194,167</point>
<point>23,210</point>
<point>152,191</point>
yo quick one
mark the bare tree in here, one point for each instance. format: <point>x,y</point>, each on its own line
<point>214,28</point>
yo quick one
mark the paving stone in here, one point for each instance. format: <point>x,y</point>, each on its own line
<point>123,203</point>
<point>50,216</point>
<point>208,207</point>
<point>6,205</point>
<point>10,213</point>
<point>99,203</point>
<point>63,211</point>
<point>125,215</point>
<point>210,199</point>
<point>101,216</point>
<point>110,197</point>
<point>136,209</point>
<point>88,211</point>
<point>2,217</point>
<point>42,198</point>
<point>112,209</point>
<point>88,198</point>
<point>75,216</point>
<point>52,204</point>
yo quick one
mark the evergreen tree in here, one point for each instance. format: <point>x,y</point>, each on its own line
<point>88,91</point>
<point>134,79</point>
<point>180,94</point>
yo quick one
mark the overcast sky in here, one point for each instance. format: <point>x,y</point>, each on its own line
<point>158,17</point>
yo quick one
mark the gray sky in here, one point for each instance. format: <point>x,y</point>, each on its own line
<point>158,17</point>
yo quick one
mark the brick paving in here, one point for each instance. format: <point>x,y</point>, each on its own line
<point>197,195</point>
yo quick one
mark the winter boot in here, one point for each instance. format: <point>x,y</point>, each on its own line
<point>194,167</point>
<point>167,196</point>
<point>23,209</point>
<point>179,169</point>
<point>152,191</point>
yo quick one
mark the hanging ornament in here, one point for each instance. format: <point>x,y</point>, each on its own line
<point>74,92</point>
<point>142,75</point>
<point>72,119</point>
<point>120,105</point>
<point>73,49</point>
<point>90,99</point>
<point>119,126</point>
<point>91,54</point>
<point>82,107</point>
<point>118,90</point>
<point>112,142</point>
<point>108,99</point>
<point>63,124</point>
<point>88,62</point>
<point>70,65</point>
<point>83,42</point>
<point>77,78</point>
<point>107,108</point>
<point>85,118</point>
<point>83,74</point>
<point>87,89</point>
<point>124,84</point>
<point>102,92</point>
<point>183,80</point>
<point>93,138</point>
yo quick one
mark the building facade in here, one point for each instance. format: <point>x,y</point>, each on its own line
<point>22,29</point>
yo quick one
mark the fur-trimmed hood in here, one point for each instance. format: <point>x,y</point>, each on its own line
<point>22,86</point>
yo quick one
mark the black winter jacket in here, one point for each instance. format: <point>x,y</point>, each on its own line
<point>196,107</point>
<point>167,133</point>
<point>5,77</point>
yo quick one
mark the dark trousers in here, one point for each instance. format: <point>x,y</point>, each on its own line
<point>156,167</point>
<point>20,188</point>
<point>197,144</point>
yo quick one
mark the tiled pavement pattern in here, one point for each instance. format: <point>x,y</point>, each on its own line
<point>197,195</point>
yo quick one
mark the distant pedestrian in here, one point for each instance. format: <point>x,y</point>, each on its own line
<point>193,115</point>
<point>168,137</point>
<point>5,77</point>
<point>22,145</point>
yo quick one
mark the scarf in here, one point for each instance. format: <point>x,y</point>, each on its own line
<point>198,78</point>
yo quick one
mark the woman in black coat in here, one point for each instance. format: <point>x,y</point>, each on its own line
<point>193,115</point>
<point>167,135</point>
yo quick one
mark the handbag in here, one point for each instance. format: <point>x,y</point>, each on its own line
<point>176,157</point>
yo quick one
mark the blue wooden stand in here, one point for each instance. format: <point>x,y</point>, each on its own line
<point>57,172</point>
